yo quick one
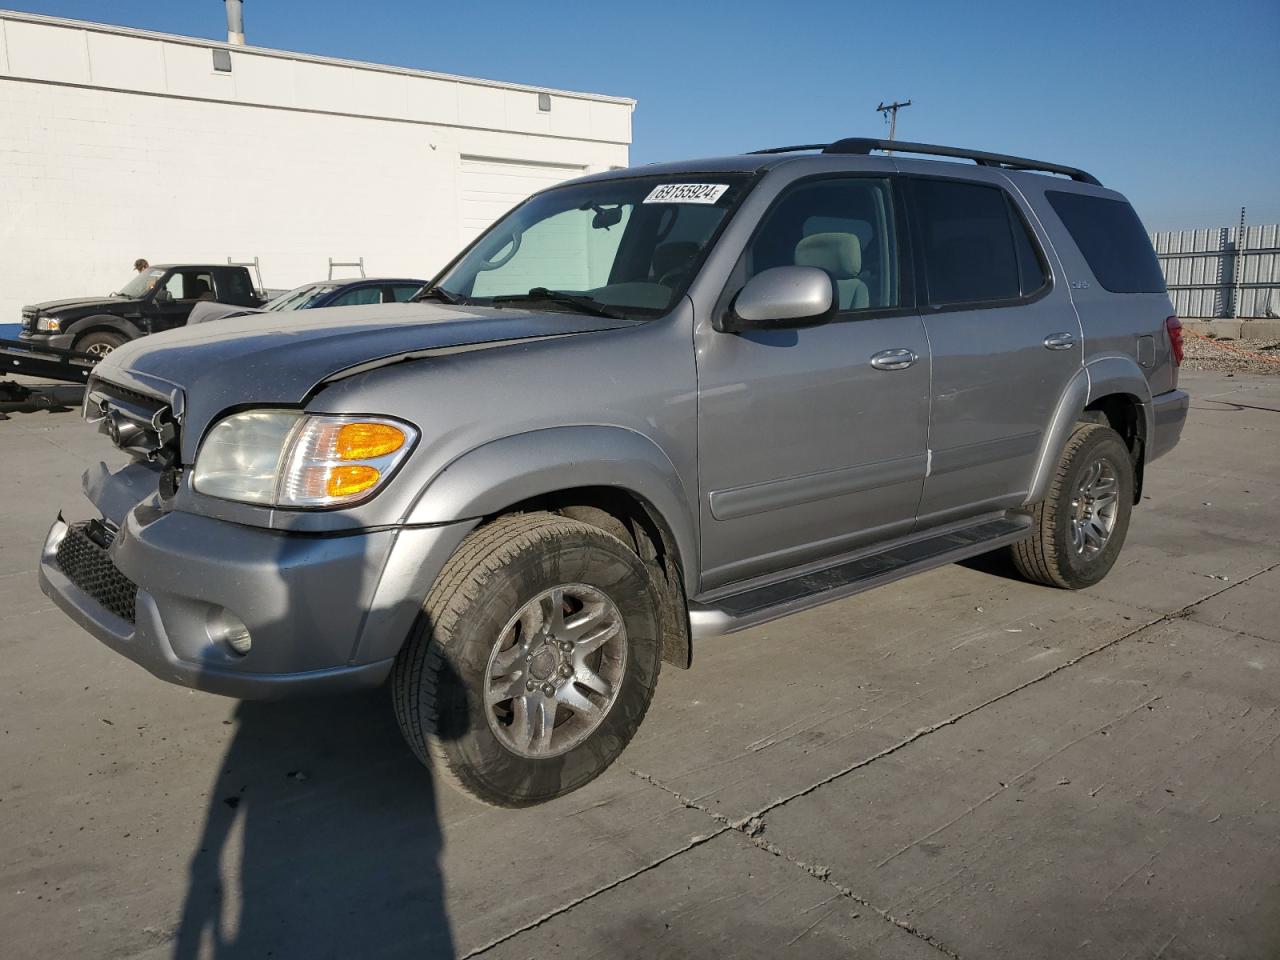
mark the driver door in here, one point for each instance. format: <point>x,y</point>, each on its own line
<point>806,448</point>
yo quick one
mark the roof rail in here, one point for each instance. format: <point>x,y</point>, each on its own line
<point>864,145</point>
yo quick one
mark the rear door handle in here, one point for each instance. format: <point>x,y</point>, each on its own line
<point>897,359</point>
<point>1060,341</point>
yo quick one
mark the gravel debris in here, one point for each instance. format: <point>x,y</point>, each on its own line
<point>1202,353</point>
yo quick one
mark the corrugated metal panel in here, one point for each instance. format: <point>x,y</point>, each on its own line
<point>1209,272</point>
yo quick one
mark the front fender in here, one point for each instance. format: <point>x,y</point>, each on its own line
<point>498,474</point>
<point>103,321</point>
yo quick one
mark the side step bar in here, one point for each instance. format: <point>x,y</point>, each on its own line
<point>757,605</point>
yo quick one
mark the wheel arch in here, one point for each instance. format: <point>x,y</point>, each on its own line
<point>610,477</point>
<point>105,323</point>
<point>1112,391</point>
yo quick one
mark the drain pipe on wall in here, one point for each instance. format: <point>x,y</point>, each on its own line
<point>235,22</point>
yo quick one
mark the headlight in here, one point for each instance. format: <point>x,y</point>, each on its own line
<point>284,458</point>
<point>48,324</point>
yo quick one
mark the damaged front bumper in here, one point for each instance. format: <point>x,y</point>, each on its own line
<point>324,613</point>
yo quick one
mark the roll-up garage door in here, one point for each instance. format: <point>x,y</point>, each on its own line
<point>490,186</point>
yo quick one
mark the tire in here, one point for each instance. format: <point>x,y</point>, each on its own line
<point>99,343</point>
<point>1054,555</point>
<point>494,599</point>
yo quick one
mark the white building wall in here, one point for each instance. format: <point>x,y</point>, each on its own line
<point>117,144</point>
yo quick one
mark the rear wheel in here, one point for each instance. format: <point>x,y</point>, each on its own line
<point>1080,527</point>
<point>99,343</point>
<point>535,660</point>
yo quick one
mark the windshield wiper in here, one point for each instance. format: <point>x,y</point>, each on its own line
<point>578,301</point>
<point>437,293</point>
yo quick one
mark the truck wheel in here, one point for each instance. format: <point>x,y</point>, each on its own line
<point>99,343</point>
<point>1080,527</point>
<point>534,661</point>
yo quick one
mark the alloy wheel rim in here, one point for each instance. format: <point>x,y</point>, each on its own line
<point>99,349</point>
<point>1094,508</point>
<point>555,671</point>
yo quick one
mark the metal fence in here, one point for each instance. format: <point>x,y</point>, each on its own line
<point>1225,272</point>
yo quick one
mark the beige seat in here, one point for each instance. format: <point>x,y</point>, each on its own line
<point>839,254</point>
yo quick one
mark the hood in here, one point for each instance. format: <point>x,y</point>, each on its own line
<point>74,303</point>
<point>259,359</point>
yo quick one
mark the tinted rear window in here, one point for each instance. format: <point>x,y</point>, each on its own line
<point>969,252</point>
<point>1113,241</point>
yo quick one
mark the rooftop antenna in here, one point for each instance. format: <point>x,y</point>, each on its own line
<point>235,22</point>
<point>890,112</point>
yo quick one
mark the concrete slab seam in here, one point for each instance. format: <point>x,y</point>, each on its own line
<point>753,828</point>
<point>1183,613</point>
<point>565,908</point>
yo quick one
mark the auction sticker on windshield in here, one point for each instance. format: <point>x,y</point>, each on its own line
<point>686,193</point>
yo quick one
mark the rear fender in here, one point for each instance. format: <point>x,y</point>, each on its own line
<point>1100,378</point>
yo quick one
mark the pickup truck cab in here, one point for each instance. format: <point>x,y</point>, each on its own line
<point>159,298</point>
<point>646,408</point>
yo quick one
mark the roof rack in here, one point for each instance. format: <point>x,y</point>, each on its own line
<point>864,145</point>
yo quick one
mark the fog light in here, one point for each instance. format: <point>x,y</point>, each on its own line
<point>226,627</point>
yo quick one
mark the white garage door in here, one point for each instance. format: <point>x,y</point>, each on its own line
<point>488,187</point>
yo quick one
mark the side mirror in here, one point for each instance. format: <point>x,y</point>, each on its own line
<point>163,295</point>
<point>782,297</point>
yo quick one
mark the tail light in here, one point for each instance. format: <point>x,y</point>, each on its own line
<point>1173,326</point>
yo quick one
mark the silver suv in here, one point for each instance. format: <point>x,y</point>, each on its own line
<point>645,408</point>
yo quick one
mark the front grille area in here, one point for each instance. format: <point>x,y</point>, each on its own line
<point>28,319</point>
<point>87,566</point>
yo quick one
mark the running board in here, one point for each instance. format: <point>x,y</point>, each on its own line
<point>757,605</point>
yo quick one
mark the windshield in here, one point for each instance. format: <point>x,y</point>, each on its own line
<point>142,284</point>
<point>632,245</point>
<point>300,298</point>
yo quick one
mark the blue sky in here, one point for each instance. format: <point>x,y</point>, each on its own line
<point>1176,104</point>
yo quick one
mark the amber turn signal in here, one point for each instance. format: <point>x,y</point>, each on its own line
<point>348,479</point>
<point>367,441</point>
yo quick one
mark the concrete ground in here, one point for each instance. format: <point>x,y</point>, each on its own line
<point>960,765</point>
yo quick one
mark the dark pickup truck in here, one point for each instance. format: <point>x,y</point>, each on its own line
<point>159,298</point>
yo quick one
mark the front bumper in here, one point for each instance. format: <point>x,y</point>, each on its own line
<point>325,613</point>
<point>62,341</point>
<point>1169,412</point>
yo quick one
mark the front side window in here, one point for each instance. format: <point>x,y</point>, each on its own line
<point>845,226</point>
<point>975,247</point>
<point>403,293</point>
<point>359,296</point>
<point>630,245</point>
<point>190,285</point>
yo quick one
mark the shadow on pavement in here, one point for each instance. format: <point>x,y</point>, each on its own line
<point>38,397</point>
<point>321,840</point>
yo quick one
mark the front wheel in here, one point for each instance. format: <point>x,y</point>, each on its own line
<point>1080,527</point>
<point>535,660</point>
<point>99,343</point>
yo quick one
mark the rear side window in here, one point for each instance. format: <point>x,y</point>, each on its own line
<point>1112,239</point>
<point>236,288</point>
<point>359,296</point>
<point>975,247</point>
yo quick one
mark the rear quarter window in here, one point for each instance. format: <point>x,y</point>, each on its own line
<point>1112,239</point>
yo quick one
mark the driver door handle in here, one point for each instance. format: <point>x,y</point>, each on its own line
<point>1059,341</point>
<point>898,358</point>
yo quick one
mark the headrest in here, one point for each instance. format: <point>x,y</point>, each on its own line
<point>840,254</point>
